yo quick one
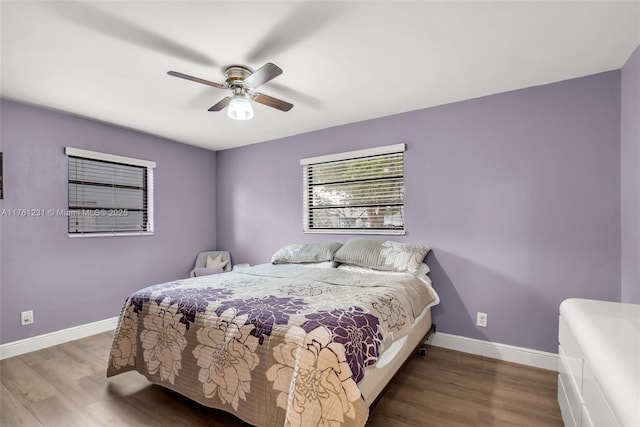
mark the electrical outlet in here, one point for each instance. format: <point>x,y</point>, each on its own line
<point>481,319</point>
<point>26,317</point>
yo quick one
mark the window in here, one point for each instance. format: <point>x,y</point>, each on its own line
<point>359,192</point>
<point>108,194</point>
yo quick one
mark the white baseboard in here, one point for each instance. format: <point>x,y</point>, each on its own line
<point>508,353</point>
<point>27,345</point>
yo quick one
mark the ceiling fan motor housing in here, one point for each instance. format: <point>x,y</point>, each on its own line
<point>235,75</point>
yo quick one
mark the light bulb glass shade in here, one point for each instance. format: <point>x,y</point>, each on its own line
<point>240,109</point>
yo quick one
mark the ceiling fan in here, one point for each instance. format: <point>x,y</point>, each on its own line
<point>242,83</point>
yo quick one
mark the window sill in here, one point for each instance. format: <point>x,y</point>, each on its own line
<point>347,231</point>
<point>80,235</point>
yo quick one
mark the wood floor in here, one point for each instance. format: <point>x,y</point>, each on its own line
<point>66,386</point>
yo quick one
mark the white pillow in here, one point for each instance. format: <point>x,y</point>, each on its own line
<point>216,263</point>
<point>423,269</point>
<point>321,264</point>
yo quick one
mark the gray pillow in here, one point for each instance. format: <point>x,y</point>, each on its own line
<point>303,253</point>
<point>382,255</point>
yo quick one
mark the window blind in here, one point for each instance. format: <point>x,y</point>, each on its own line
<point>108,197</point>
<point>363,194</point>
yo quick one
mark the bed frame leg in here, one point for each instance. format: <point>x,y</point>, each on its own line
<point>422,348</point>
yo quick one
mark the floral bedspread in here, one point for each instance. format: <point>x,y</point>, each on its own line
<point>275,345</point>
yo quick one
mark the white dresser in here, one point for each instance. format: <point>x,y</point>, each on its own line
<point>599,363</point>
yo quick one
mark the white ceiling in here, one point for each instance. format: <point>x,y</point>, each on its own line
<point>343,61</point>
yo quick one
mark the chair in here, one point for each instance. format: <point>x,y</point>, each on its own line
<point>201,260</point>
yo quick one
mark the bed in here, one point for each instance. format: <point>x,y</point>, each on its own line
<point>291,343</point>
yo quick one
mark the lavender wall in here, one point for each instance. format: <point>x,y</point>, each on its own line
<point>631,179</point>
<point>70,282</point>
<point>517,193</point>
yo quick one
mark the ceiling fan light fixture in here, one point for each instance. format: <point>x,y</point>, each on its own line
<point>240,108</point>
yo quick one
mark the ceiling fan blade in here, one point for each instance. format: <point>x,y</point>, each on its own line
<point>196,79</point>
<point>221,105</point>
<point>305,19</point>
<point>129,31</point>
<point>262,75</point>
<point>272,102</point>
<point>297,96</point>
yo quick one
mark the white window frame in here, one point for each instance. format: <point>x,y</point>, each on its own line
<point>350,155</point>
<point>130,161</point>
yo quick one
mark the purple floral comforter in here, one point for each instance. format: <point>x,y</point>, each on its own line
<point>275,345</point>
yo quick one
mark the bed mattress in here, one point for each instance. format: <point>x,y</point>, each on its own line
<point>275,345</point>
